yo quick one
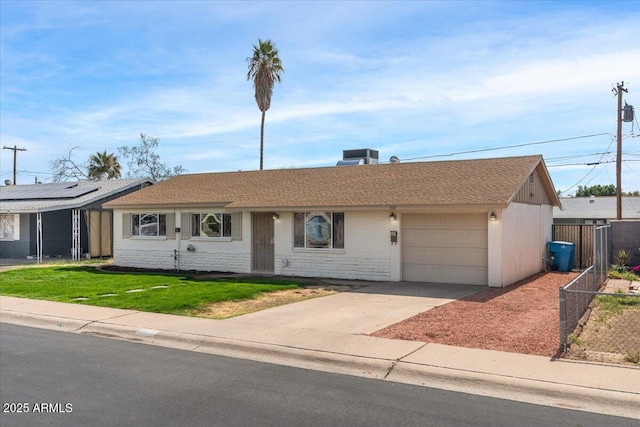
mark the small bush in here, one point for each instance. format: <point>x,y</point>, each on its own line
<point>621,260</point>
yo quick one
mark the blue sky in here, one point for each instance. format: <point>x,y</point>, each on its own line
<point>418,80</point>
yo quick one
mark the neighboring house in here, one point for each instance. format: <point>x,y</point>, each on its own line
<point>482,222</point>
<point>60,219</point>
<point>594,210</point>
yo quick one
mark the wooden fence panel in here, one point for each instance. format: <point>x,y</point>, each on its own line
<point>581,235</point>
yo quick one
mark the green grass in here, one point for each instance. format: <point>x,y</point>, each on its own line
<point>627,275</point>
<point>610,305</point>
<point>182,295</point>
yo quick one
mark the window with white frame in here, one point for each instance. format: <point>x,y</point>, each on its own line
<point>318,230</point>
<point>210,224</point>
<point>9,227</point>
<point>149,225</point>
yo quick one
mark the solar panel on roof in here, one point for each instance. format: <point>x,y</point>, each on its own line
<point>54,191</point>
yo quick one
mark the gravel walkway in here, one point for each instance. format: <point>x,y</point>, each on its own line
<point>522,318</point>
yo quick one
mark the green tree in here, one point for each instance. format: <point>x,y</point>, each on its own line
<point>144,162</point>
<point>265,68</point>
<point>596,190</point>
<point>103,164</point>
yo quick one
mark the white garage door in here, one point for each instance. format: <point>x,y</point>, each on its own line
<point>445,248</point>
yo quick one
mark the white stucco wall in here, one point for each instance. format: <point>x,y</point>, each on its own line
<point>517,242</point>
<point>366,254</point>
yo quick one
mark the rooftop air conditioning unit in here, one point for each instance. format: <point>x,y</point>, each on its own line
<point>350,162</point>
<point>369,156</point>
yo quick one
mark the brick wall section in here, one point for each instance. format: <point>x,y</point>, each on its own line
<point>201,260</point>
<point>308,264</point>
<point>225,256</point>
<point>625,235</point>
<point>366,253</point>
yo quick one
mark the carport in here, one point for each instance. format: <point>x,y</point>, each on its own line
<point>60,219</point>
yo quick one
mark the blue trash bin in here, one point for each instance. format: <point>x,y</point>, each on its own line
<point>562,253</point>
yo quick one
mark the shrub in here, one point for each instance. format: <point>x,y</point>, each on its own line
<point>621,260</point>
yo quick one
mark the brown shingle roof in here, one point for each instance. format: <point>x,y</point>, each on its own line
<point>461,182</point>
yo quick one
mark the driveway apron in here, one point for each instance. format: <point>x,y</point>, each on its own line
<point>361,311</point>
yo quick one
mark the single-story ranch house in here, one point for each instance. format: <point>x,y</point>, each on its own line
<point>595,210</point>
<point>482,222</point>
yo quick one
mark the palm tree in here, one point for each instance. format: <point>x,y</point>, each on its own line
<point>103,163</point>
<point>265,68</point>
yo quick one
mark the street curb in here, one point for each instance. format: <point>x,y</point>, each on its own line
<point>269,353</point>
<point>251,350</point>
<point>298,357</point>
<point>182,341</point>
<point>528,390</point>
<point>42,321</point>
<point>569,396</point>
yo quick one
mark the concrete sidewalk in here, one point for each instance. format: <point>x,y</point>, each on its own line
<point>272,336</point>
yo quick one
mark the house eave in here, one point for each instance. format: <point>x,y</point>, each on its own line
<point>466,208</point>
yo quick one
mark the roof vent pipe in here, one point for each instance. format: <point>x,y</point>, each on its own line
<point>394,159</point>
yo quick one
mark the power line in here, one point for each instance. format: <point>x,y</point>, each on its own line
<point>589,164</point>
<point>509,146</point>
<point>594,166</point>
<point>550,159</point>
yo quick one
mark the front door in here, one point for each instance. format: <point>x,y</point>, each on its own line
<point>262,255</point>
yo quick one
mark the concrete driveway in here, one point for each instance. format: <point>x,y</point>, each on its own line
<point>361,311</point>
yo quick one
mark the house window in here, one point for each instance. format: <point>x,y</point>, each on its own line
<point>149,225</point>
<point>318,230</point>
<point>212,224</point>
<point>9,227</point>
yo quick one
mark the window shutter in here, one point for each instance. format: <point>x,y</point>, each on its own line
<point>171,226</point>
<point>185,227</point>
<point>126,225</point>
<point>236,226</point>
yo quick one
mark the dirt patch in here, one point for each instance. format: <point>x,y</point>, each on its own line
<point>226,309</point>
<point>606,337</point>
<point>522,318</point>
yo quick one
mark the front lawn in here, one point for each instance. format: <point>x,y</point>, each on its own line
<point>160,293</point>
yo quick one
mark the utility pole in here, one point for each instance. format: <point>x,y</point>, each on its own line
<point>619,90</point>
<point>15,150</point>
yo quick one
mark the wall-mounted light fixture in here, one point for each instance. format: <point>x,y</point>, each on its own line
<point>392,217</point>
<point>493,216</point>
<point>275,216</point>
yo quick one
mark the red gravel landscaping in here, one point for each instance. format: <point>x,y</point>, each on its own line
<point>522,318</point>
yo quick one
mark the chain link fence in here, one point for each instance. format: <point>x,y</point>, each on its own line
<point>597,325</point>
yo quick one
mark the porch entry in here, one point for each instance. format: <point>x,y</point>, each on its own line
<point>262,253</point>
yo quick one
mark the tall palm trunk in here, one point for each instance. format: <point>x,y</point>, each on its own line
<point>265,69</point>
<point>262,138</point>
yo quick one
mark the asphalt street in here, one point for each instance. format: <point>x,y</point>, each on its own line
<point>62,379</point>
